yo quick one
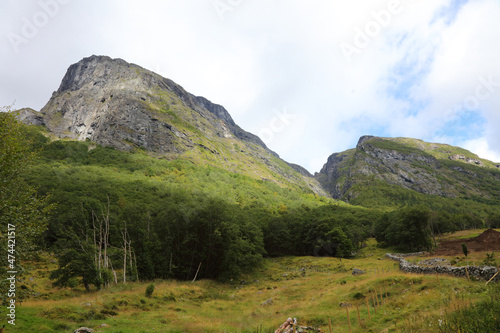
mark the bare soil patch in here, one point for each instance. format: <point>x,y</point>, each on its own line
<point>487,241</point>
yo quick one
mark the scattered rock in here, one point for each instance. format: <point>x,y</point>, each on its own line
<point>357,271</point>
<point>433,262</point>
<point>466,159</point>
<point>268,302</point>
<point>84,330</point>
<point>290,324</point>
<point>345,305</point>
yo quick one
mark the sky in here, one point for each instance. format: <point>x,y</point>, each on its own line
<point>308,77</point>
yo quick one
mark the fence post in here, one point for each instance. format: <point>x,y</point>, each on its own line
<point>359,318</point>
<point>348,319</point>
<point>368,309</point>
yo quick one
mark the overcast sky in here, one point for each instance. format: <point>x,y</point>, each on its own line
<point>309,77</point>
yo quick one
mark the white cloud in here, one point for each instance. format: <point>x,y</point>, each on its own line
<point>482,148</point>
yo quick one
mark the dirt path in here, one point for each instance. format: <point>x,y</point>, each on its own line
<point>487,241</point>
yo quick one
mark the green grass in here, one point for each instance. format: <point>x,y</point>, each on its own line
<point>407,302</point>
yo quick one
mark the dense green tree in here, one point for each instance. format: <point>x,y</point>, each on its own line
<point>168,216</point>
<point>465,250</point>
<point>493,221</point>
<point>20,206</point>
<point>407,228</point>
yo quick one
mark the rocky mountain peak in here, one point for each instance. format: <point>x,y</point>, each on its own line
<point>122,105</point>
<point>363,139</point>
<point>116,103</point>
<point>94,70</point>
<point>407,163</point>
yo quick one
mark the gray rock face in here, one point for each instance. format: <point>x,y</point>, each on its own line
<point>30,117</point>
<point>466,159</point>
<point>385,160</point>
<point>114,103</point>
<point>122,105</point>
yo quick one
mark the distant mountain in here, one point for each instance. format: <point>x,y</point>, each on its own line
<point>122,105</point>
<point>391,169</point>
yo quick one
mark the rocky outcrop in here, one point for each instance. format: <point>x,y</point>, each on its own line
<point>122,105</point>
<point>402,162</point>
<point>30,117</point>
<point>466,159</point>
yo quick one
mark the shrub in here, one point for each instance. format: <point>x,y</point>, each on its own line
<point>149,290</point>
<point>358,295</point>
<point>490,259</point>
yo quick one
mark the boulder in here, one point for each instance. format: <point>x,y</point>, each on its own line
<point>357,271</point>
<point>84,330</point>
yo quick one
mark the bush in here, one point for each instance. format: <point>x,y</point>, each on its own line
<point>150,289</point>
<point>358,296</point>
<point>490,260</point>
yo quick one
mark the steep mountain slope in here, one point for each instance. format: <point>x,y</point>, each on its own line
<point>121,105</point>
<point>385,166</point>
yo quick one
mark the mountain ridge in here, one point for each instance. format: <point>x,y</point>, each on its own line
<point>122,105</point>
<point>412,164</point>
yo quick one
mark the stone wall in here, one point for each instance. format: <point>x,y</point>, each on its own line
<point>479,272</point>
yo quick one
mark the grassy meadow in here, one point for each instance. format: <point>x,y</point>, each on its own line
<point>310,289</point>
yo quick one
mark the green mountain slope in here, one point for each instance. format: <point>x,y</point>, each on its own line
<point>122,105</point>
<point>399,171</point>
<point>177,214</point>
